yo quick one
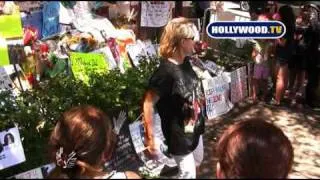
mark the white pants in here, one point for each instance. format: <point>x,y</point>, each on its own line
<point>187,163</point>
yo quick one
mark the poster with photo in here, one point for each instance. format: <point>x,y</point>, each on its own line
<point>18,79</point>
<point>5,81</point>
<point>12,152</point>
<point>13,80</point>
<point>151,166</point>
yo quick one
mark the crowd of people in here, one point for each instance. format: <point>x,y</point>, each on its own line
<point>82,140</point>
<point>291,60</point>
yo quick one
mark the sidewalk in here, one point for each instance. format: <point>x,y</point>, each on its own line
<point>301,126</point>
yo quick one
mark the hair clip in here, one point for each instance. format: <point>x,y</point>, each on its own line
<point>65,161</point>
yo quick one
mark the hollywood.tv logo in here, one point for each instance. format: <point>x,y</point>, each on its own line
<point>246,29</point>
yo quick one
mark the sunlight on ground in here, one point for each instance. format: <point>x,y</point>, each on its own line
<point>302,129</point>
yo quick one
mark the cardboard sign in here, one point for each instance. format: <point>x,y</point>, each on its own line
<point>216,91</point>
<point>155,13</point>
<point>10,26</point>
<point>83,64</point>
<point>239,85</point>
<point>12,152</point>
<point>4,53</point>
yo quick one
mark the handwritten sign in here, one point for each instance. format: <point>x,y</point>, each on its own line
<point>239,89</point>
<point>4,53</point>
<point>155,13</point>
<point>11,26</point>
<point>12,151</point>
<point>83,64</point>
<point>216,91</point>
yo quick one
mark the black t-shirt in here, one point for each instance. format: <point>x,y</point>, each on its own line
<point>286,51</point>
<point>181,98</point>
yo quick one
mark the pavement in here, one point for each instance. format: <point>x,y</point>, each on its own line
<point>302,126</point>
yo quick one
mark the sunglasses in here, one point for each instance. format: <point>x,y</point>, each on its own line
<point>193,38</point>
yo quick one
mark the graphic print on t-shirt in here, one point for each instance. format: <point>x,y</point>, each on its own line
<point>188,87</point>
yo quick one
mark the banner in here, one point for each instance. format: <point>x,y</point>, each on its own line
<point>83,64</point>
<point>12,152</point>
<point>155,13</point>
<point>4,53</point>
<point>216,91</point>
<point>10,26</point>
<point>239,85</point>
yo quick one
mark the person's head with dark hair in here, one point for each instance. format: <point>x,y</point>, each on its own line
<point>254,149</point>
<point>8,139</point>
<point>287,16</point>
<point>79,141</point>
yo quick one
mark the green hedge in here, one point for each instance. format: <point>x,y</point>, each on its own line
<point>36,111</point>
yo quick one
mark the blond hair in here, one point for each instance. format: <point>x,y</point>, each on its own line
<point>176,30</point>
